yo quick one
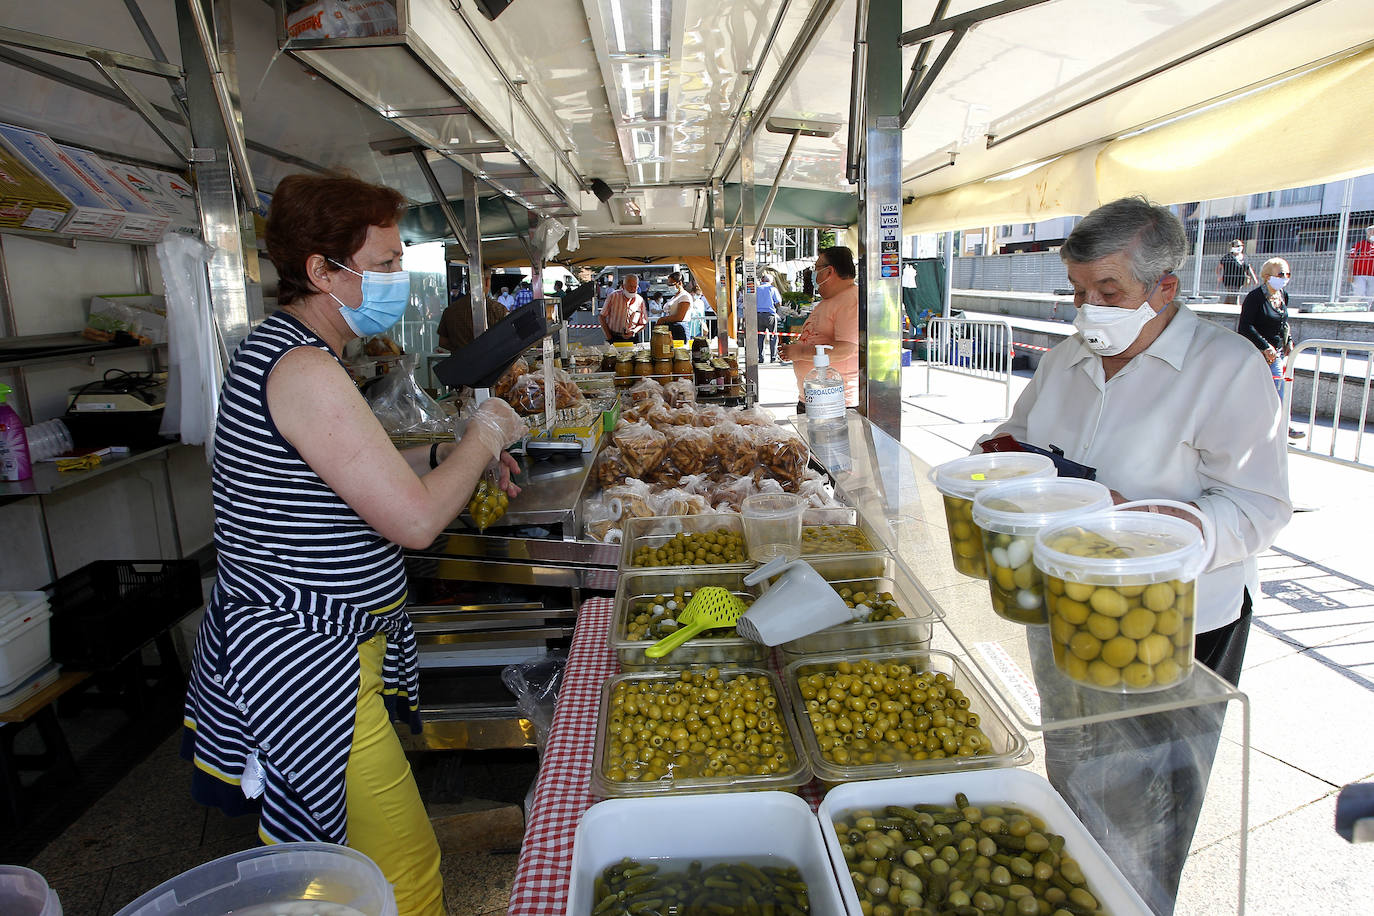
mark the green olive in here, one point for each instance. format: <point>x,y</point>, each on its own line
<point>704,548</point>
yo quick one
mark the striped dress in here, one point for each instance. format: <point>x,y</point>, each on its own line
<point>302,581</point>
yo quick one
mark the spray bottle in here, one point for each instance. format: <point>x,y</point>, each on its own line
<point>823,390</point>
<point>14,443</point>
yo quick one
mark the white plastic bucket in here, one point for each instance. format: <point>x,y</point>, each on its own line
<point>1009,515</point>
<point>960,480</point>
<point>1121,591</point>
<point>23,892</point>
<point>309,878</point>
<point>25,637</point>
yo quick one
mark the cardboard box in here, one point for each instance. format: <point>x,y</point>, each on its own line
<point>142,224</point>
<point>182,215</point>
<point>94,213</point>
<point>26,201</point>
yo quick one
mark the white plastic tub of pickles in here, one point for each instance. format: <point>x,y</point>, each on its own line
<point>1009,515</point>
<point>1121,591</point>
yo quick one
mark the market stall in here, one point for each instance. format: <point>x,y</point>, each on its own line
<point>1003,665</point>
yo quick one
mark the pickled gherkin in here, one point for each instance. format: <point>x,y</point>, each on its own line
<point>630,888</point>
<point>985,858</point>
<point>704,548</point>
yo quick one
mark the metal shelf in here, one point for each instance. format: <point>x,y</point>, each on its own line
<point>62,238</point>
<point>76,349</point>
<point>48,479</point>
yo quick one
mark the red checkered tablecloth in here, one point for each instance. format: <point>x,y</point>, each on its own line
<point>563,791</point>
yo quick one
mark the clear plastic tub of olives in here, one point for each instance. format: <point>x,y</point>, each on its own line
<point>684,540</point>
<point>838,531</point>
<point>960,480</point>
<point>1009,515</point>
<point>1120,589</point>
<point>695,729</point>
<point>647,604</point>
<point>900,613</point>
<point>850,708</point>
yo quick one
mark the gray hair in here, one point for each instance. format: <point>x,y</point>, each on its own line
<point>1152,237</point>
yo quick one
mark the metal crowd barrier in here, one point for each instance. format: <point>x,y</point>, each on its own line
<point>978,347</point>
<point>1335,362</point>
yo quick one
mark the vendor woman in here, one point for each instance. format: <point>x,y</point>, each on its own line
<point>306,653</point>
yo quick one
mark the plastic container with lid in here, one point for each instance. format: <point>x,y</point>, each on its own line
<point>775,763</point>
<point>1121,591</point>
<point>959,482</point>
<point>287,878</point>
<point>25,637</point>
<point>1009,515</point>
<point>23,892</point>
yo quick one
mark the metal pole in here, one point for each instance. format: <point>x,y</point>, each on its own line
<point>215,188</point>
<point>1197,247</point>
<point>880,224</point>
<point>858,73</point>
<point>773,191</point>
<point>748,227</point>
<point>718,234</point>
<point>472,229</point>
<point>440,198</point>
<point>1342,240</point>
<point>949,273</point>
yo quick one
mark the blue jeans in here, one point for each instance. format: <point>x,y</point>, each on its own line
<point>1276,369</point>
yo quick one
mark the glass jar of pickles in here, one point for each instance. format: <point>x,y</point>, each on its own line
<point>1008,516</point>
<point>959,482</point>
<point>661,342</point>
<point>1121,592</point>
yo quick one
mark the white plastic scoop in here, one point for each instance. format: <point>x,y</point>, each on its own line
<point>800,603</point>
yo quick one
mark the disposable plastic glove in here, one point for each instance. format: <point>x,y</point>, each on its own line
<point>496,425</point>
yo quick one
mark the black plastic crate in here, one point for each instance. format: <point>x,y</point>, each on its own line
<point>108,609</point>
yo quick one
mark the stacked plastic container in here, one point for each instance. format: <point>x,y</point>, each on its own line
<point>25,647</point>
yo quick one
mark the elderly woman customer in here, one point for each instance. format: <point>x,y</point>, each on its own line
<point>1163,405</point>
<point>1264,322</point>
<point>306,653</point>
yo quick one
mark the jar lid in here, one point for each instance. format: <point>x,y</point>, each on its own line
<point>1120,545</point>
<point>642,356</point>
<point>625,356</point>
<point>964,477</point>
<point>1025,505</point>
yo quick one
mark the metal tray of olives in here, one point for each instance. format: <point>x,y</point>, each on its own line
<point>1003,744</point>
<point>643,584</point>
<point>784,768</point>
<point>659,530</point>
<point>870,572</point>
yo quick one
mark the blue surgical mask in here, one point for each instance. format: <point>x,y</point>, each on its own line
<point>385,297</point>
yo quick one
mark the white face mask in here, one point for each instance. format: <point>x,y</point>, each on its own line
<point>1236,251</point>
<point>1278,283</point>
<point>1108,330</point>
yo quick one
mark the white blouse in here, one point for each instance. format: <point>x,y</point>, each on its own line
<point>1194,418</point>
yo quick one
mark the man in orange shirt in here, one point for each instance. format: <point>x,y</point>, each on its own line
<point>624,315</point>
<point>834,321</point>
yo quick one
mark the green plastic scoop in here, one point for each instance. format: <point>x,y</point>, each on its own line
<point>711,608</point>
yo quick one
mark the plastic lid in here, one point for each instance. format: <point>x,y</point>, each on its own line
<point>964,477</point>
<point>1026,505</point>
<point>1133,545</point>
<point>822,357</point>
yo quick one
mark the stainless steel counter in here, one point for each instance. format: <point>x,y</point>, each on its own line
<point>551,493</point>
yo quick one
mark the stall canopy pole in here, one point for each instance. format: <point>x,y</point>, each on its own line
<point>1198,242</point>
<point>749,229</point>
<point>472,229</point>
<point>718,237</point>
<point>219,207</point>
<point>222,93</point>
<point>1342,240</point>
<point>440,198</point>
<point>880,224</point>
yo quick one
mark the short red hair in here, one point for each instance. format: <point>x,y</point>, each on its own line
<point>325,215</point>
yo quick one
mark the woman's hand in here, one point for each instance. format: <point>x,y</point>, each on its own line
<point>1270,354</point>
<point>496,425</point>
<point>508,466</point>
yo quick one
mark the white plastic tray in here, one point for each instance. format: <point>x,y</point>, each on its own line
<point>712,828</point>
<point>1010,787</point>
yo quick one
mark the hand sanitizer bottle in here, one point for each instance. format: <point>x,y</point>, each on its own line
<point>823,390</point>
